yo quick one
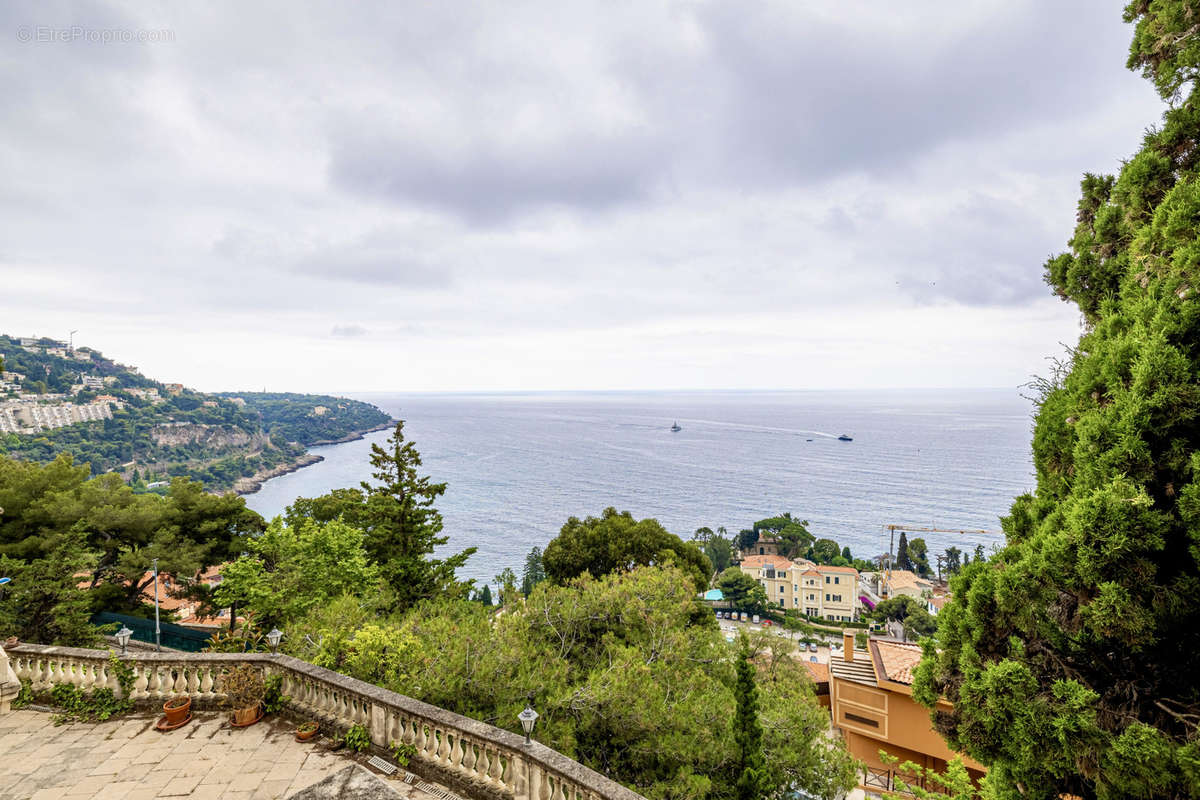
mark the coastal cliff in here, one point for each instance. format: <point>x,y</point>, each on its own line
<point>252,483</point>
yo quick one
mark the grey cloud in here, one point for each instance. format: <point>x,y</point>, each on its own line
<point>985,252</point>
<point>483,171</point>
<point>490,182</point>
<point>348,331</point>
<point>775,97</point>
<point>382,268</point>
<point>807,98</point>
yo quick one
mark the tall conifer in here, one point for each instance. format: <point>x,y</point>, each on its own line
<point>747,730</point>
<point>1069,656</point>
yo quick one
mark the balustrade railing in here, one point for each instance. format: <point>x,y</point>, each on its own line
<point>478,759</point>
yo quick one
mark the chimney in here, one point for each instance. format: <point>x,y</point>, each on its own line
<point>848,645</point>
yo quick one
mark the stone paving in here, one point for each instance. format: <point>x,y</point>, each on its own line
<point>126,759</point>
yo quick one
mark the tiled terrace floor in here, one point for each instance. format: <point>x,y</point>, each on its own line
<point>126,759</point>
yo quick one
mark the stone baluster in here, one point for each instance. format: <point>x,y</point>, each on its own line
<point>88,677</point>
<point>141,681</point>
<point>206,683</point>
<point>47,675</point>
<point>183,679</point>
<point>20,666</point>
<point>496,768</point>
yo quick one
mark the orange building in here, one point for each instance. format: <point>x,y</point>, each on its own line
<point>872,706</point>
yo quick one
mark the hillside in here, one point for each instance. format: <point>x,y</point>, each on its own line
<point>54,399</point>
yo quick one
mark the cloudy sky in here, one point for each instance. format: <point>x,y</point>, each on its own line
<point>547,195</point>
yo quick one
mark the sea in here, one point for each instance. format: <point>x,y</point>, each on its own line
<point>517,466</point>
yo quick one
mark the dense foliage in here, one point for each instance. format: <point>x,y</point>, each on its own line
<point>401,527</point>
<point>295,417</point>
<point>742,591</point>
<point>627,676</point>
<point>74,544</point>
<point>288,570</point>
<point>1069,655</point>
<point>615,541</point>
<point>792,537</point>
<point>909,612</point>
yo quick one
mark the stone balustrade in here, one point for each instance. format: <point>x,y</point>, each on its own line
<point>477,759</point>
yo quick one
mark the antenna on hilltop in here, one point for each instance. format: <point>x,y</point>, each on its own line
<point>71,342</point>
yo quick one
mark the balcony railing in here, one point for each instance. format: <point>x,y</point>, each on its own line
<point>877,778</point>
<point>472,757</point>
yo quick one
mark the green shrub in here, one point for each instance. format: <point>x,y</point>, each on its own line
<point>357,738</point>
<point>274,699</point>
<point>402,752</point>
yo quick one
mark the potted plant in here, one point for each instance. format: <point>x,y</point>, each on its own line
<point>306,730</point>
<point>244,689</point>
<point>177,709</point>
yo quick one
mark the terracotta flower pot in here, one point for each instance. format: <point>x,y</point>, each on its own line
<point>304,734</point>
<point>245,716</point>
<point>11,641</point>
<point>177,709</point>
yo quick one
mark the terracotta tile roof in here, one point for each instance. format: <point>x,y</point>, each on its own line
<point>758,562</point>
<point>896,660</point>
<point>827,568</point>
<point>818,672</point>
<point>903,579</point>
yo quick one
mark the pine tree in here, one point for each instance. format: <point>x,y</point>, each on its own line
<point>403,526</point>
<point>485,595</point>
<point>534,572</point>
<point>747,730</point>
<point>1069,655</point>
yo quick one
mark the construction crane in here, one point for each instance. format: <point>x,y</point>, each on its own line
<point>885,590</point>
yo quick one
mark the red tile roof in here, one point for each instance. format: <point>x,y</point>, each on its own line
<point>758,562</point>
<point>818,672</point>
<point>896,660</point>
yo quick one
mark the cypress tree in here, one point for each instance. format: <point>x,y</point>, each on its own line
<point>747,730</point>
<point>902,559</point>
<point>1069,655</point>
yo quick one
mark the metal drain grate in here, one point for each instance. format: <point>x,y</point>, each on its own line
<point>437,791</point>
<point>383,766</point>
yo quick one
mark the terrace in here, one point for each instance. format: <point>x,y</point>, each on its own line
<point>453,754</point>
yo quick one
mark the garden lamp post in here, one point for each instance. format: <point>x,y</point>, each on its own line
<point>157,629</point>
<point>123,637</point>
<point>273,638</point>
<point>527,717</point>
